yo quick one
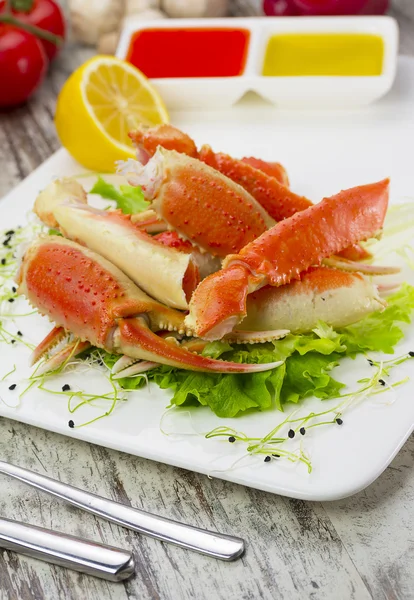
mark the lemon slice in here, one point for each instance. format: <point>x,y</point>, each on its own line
<point>100,102</point>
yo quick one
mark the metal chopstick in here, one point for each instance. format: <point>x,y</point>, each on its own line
<point>67,551</point>
<point>217,545</point>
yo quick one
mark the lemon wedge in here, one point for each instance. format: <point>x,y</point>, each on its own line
<point>100,102</point>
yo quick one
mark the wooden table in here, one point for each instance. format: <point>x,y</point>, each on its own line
<point>358,548</point>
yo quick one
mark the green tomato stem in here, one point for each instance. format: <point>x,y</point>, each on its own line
<point>10,19</point>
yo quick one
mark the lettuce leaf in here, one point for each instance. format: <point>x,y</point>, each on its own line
<point>306,371</point>
<point>128,198</point>
<point>380,332</point>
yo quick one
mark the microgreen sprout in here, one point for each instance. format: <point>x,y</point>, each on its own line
<point>397,235</point>
<point>273,444</point>
<point>8,373</point>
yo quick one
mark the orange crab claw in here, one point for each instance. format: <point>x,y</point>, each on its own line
<point>200,203</point>
<point>113,235</point>
<point>90,297</point>
<point>284,252</point>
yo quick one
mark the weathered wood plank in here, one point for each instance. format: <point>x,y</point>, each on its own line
<point>293,549</point>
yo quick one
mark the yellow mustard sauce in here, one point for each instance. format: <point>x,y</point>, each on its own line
<point>337,54</point>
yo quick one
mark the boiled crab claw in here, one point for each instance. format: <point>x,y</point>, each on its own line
<point>283,253</point>
<point>91,298</point>
<point>114,236</point>
<point>198,202</point>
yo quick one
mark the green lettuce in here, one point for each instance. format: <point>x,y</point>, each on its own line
<point>306,370</point>
<point>128,198</point>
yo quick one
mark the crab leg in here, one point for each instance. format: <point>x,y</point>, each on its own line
<point>114,236</point>
<point>273,169</point>
<point>147,140</point>
<point>90,297</point>
<point>322,294</point>
<point>284,252</point>
<point>201,204</point>
<point>278,200</point>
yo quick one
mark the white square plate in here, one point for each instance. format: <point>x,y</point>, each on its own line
<point>323,152</point>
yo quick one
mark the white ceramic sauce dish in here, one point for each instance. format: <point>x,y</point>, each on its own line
<point>314,91</point>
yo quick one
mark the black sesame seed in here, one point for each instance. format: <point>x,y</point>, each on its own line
<point>3,261</point>
<point>267,459</point>
<point>339,421</point>
<point>370,362</point>
<point>232,439</point>
<point>6,242</point>
<point>12,386</point>
<point>11,299</point>
<point>66,387</point>
<point>291,433</point>
<point>411,353</point>
<point>14,289</point>
<point>13,341</point>
<point>9,233</point>
<point>302,430</point>
<point>276,455</point>
<point>381,381</point>
<point>19,333</point>
<point>71,424</point>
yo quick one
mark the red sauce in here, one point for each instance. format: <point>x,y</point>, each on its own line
<point>195,52</point>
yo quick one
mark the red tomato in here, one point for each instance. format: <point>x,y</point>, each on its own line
<point>280,8</point>
<point>45,14</point>
<point>23,65</point>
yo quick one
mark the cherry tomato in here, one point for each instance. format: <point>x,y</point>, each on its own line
<point>23,65</point>
<point>280,8</point>
<point>45,14</point>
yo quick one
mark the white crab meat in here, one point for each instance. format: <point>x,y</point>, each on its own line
<point>322,294</point>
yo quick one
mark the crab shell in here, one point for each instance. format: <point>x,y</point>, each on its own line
<point>164,271</point>
<point>85,294</point>
<point>198,202</point>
